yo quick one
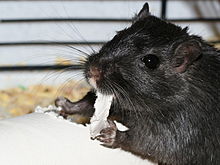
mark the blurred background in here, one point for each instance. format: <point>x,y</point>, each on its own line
<point>40,40</point>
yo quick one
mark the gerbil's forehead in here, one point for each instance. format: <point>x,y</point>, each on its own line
<point>148,32</point>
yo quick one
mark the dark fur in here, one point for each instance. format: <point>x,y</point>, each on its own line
<point>173,111</point>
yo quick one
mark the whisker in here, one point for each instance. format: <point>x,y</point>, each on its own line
<point>127,98</point>
<point>75,85</point>
<point>79,50</point>
<point>76,31</point>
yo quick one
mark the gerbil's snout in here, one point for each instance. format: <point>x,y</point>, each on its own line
<point>99,71</point>
<point>94,75</point>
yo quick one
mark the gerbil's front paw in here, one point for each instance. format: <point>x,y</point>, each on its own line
<point>61,102</point>
<point>65,105</point>
<point>108,135</point>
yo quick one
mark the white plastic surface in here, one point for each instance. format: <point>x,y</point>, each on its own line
<point>41,139</point>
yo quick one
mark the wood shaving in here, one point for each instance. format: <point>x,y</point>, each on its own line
<point>22,100</point>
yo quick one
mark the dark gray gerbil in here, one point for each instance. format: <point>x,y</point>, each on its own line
<point>166,84</point>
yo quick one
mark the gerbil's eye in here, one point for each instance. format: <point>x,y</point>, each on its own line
<point>151,61</point>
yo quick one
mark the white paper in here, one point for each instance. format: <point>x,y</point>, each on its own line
<point>99,119</point>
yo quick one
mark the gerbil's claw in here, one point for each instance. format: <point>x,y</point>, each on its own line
<point>107,136</point>
<point>62,113</point>
<point>104,145</point>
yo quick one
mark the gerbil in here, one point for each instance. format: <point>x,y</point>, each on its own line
<point>166,87</point>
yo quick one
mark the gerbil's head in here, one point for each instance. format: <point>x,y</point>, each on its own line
<point>148,59</point>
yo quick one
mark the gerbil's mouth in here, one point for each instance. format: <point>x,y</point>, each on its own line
<point>101,87</point>
<point>93,83</point>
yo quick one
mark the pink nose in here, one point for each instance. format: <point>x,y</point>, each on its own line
<point>95,73</point>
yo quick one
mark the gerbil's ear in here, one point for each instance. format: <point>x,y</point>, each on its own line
<point>142,14</point>
<point>185,54</point>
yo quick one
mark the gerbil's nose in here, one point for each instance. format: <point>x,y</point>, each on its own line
<point>95,73</point>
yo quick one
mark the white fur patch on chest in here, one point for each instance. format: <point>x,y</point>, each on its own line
<point>99,119</point>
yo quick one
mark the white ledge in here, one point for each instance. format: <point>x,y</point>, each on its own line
<point>40,139</point>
